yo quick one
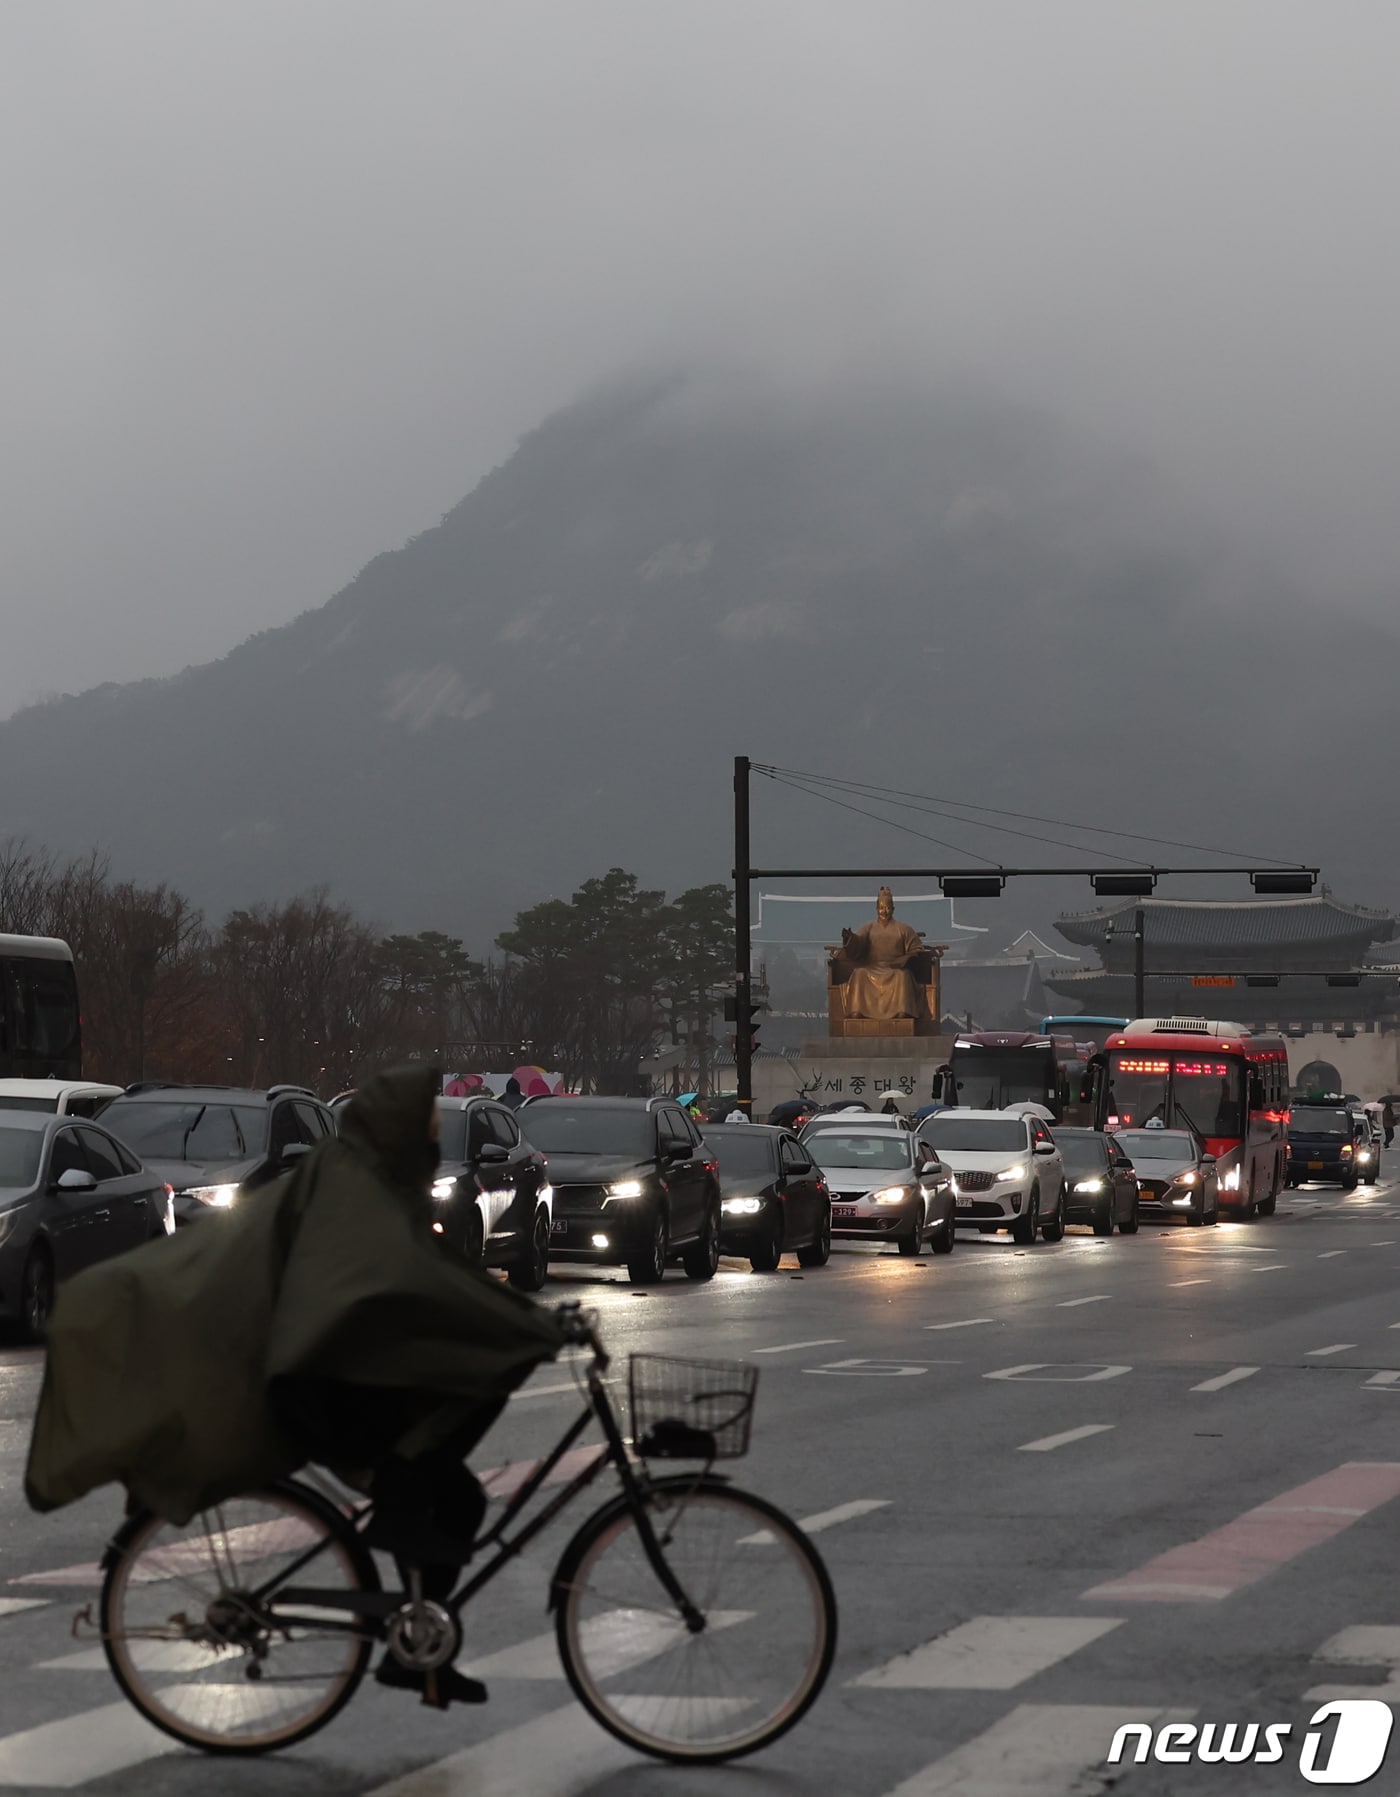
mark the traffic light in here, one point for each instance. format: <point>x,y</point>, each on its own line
<point>744,1015</point>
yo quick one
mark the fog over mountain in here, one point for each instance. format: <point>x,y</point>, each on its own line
<point>929,589</point>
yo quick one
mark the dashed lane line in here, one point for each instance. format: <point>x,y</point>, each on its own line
<point>1384,1381</point>
<point>825,1341</point>
<point>1176,1284</point>
<point>1331,1254</point>
<point>989,1653</point>
<point>1221,1380</point>
<point>1322,1353</point>
<point>1074,1303</point>
<point>11,1606</point>
<point>1277,1266</point>
<point>1048,1443</point>
<point>964,1323</point>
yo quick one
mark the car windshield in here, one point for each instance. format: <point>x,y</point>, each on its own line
<point>975,1135</point>
<point>1309,1122</point>
<point>19,1157</point>
<point>557,1128</point>
<point>1157,1144</point>
<point>1081,1154</point>
<point>835,1148</point>
<point>188,1130</point>
<point>742,1152</point>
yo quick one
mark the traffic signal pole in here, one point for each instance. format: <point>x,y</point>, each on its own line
<point>743,937</point>
<point>1139,962</point>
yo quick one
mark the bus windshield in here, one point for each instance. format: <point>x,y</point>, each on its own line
<point>1203,1093</point>
<point>1084,1029</point>
<point>39,1026</point>
<point>990,1079</point>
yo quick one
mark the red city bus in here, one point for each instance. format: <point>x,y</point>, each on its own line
<point>1221,1080</point>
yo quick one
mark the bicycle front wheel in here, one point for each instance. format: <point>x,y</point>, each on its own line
<point>203,1643</point>
<point>735,1685</point>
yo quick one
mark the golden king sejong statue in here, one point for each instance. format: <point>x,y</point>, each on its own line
<point>880,985</point>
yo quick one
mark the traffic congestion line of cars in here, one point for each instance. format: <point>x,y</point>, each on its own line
<point>89,1171</point>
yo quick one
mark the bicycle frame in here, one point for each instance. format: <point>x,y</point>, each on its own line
<point>613,1451</point>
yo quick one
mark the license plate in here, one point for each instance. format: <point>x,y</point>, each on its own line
<point>1314,1166</point>
<point>559,1226</point>
<point>845,1210</point>
<point>964,1204</point>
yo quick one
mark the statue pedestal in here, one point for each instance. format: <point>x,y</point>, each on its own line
<point>864,1068</point>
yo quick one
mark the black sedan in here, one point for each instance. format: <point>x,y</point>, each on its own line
<point>1176,1177</point>
<point>1100,1185</point>
<point>71,1195</point>
<point>773,1198</point>
<point>492,1198</point>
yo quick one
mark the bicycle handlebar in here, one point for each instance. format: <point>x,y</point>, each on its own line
<point>581,1326</point>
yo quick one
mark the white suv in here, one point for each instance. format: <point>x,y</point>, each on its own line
<point>1008,1172</point>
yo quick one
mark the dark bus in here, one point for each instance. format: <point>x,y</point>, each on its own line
<point>41,1034</point>
<point>990,1070</point>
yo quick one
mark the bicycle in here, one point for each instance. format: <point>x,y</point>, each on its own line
<point>713,1600</point>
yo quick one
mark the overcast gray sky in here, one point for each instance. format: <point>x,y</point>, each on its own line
<point>283,278</point>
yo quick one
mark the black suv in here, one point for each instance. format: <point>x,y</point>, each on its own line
<point>212,1142</point>
<point>491,1198</point>
<point>634,1184</point>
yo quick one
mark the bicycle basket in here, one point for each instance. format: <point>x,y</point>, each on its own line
<point>691,1409</point>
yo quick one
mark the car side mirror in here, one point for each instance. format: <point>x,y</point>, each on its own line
<point>801,1169</point>
<point>1207,1160</point>
<point>1044,1148</point>
<point>293,1152</point>
<point>74,1180</point>
<point>679,1151</point>
<point>492,1153</point>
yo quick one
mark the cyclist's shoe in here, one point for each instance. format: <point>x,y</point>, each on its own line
<point>439,1688</point>
<point>418,1536</point>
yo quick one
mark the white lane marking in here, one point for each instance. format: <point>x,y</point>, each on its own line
<point>1038,1750</point>
<point>11,1606</point>
<point>1221,1380</point>
<point>1386,1244</point>
<point>1332,1254</point>
<point>966,1323</point>
<point>1048,1443</point>
<point>1387,1381</point>
<point>1322,1353</point>
<point>989,1653</point>
<point>1074,1303</point>
<point>150,1656</point>
<point>616,1641</point>
<point>1178,1283</point>
<point>825,1341</point>
<point>876,1369</point>
<point>1366,1644</point>
<point>1076,1376</point>
<point>564,1749</point>
<point>824,1519</point>
<point>58,1755</point>
<point>1276,1266</point>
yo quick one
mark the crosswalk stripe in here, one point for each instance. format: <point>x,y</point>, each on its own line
<point>616,1641</point>
<point>11,1606</point>
<point>94,1744</point>
<point>989,1653</point>
<point>824,1519</point>
<point>1038,1750</point>
<point>521,1762</point>
<point>1260,1540</point>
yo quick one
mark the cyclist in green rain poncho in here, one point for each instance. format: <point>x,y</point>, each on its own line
<point>318,1320</point>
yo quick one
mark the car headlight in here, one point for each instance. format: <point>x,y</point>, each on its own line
<point>221,1197</point>
<point>742,1207</point>
<point>891,1195</point>
<point>626,1188</point>
<point>1016,1172</point>
<point>1186,1179</point>
<point>444,1188</point>
<point>1089,1185</point>
<point>1364,1155</point>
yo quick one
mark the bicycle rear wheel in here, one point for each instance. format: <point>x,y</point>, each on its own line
<point>744,1679</point>
<point>202,1655</point>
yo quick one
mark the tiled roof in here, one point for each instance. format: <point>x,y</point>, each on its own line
<point>1225,924</point>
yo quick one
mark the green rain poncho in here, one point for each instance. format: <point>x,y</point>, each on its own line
<point>163,1364</point>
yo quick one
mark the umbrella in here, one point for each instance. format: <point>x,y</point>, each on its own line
<point>791,1110</point>
<point>687,1099</point>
